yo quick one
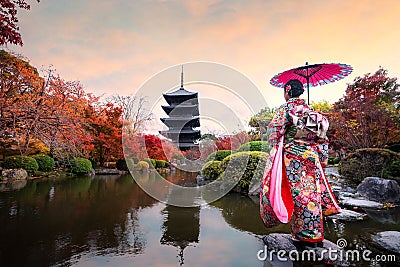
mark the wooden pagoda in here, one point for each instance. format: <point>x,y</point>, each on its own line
<point>183,112</point>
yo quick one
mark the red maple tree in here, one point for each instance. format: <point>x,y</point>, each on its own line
<point>9,30</point>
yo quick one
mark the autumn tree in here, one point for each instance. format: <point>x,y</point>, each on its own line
<point>134,110</point>
<point>259,122</point>
<point>368,114</point>
<point>104,123</point>
<point>9,30</point>
<point>322,106</point>
<point>20,87</point>
<point>33,109</point>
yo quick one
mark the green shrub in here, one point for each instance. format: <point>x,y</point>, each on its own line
<point>151,162</point>
<point>254,146</point>
<point>392,170</point>
<point>21,162</point>
<point>142,165</point>
<point>167,164</point>
<point>45,163</point>
<point>212,169</point>
<point>218,155</point>
<point>333,161</point>
<point>160,163</point>
<point>244,167</point>
<point>368,162</point>
<point>80,165</point>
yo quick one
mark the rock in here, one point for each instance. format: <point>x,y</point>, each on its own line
<point>279,242</point>
<point>360,202</point>
<point>389,240</point>
<point>378,189</point>
<point>348,189</point>
<point>14,174</point>
<point>92,173</point>
<point>387,216</point>
<point>255,189</point>
<point>348,216</point>
<point>283,242</point>
<point>332,171</point>
<point>12,185</point>
<point>106,171</point>
<point>200,180</point>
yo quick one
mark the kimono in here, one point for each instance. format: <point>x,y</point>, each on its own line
<point>295,188</point>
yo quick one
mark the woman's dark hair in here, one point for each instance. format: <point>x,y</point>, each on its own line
<point>294,88</point>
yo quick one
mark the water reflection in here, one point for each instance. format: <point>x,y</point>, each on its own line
<point>181,228</point>
<point>48,222</point>
<point>109,220</point>
<point>243,213</point>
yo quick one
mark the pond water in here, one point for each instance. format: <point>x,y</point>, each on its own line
<point>110,221</point>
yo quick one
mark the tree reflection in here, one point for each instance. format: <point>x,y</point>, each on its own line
<point>49,222</point>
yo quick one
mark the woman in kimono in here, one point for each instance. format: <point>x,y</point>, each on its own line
<point>295,188</point>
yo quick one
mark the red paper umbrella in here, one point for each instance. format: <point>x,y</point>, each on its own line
<point>313,75</point>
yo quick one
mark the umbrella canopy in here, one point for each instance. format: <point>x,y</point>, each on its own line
<point>313,75</point>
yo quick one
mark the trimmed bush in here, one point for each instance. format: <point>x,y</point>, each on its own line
<point>167,164</point>
<point>392,170</point>
<point>368,162</point>
<point>142,165</point>
<point>45,163</point>
<point>21,162</point>
<point>262,146</point>
<point>212,169</point>
<point>218,155</point>
<point>160,163</point>
<point>151,162</point>
<point>244,167</point>
<point>80,165</point>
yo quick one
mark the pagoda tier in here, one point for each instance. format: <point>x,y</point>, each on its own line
<point>181,96</point>
<point>177,122</point>
<point>182,135</point>
<point>183,112</point>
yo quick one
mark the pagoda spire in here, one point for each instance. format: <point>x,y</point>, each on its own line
<point>182,78</point>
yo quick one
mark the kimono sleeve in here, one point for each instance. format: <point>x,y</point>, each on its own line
<point>276,128</point>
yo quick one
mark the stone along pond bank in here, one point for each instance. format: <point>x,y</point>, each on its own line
<point>375,201</point>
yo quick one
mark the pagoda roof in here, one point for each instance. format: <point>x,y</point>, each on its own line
<point>181,121</point>
<point>180,118</point>
<point>180,132</point>
<point>181,108</point>
<point>181,92</point>
<point>186,144</point>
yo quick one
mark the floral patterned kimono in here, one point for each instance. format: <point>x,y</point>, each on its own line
<point>295,188</point>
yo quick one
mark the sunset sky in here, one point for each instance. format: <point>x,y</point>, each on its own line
<point>115,46</point>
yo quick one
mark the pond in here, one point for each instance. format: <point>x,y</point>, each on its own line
<point>110,221</point>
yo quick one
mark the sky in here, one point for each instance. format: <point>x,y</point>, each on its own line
<point>118,46</point>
